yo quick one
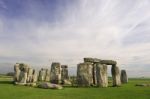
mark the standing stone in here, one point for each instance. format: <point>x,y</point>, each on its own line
<point>84,74</point>
<point>102,79</point>
<point>47,77</point>
<point>115,75</point>
<point>94,74</point>
<point>30,75</point>
<point>124,78</point>
<point>34,76</point>
<point>42,74</point>
<point>64,75</point>
<point>64,72</point>
<point>55,73</point>
<point>17,72</point>
<point>23,73</point>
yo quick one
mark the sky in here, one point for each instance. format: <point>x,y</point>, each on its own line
<point>39,32</point>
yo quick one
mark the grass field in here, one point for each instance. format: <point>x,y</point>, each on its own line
<point>126,91</point>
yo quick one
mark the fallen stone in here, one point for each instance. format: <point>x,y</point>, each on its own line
<point>31,84</point>
<point>66,82</point>
<point>46,85</point>
<point>143,85</point>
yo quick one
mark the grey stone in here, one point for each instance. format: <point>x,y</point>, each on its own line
<point>46,85</point>
<point>96,60</point>
<point>66,82</point>
<point>102,79</point>
<point>92,60</point>
<point>108,62</point>
<point>55,73</point>
<point>34,76</point>
<point>89,59</point>
<point>42,74</point>
<point>124,78</point>
<point>84,74</point>
<point>94,74</point>
<point>47,77</point>
<point>16,72</point>
<point>115,75</point>
<point>23,73</point>
<point>64,72</point>
<point>30,75</point>
<point>143,85</point>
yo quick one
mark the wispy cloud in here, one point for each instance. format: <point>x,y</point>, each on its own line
<point>52,30</point>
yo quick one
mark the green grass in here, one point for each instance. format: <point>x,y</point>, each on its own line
<point>126,91</point>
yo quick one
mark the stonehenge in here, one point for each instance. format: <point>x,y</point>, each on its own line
<point>124,78</point>
<point>96,74</point>
<point>92,72</point>
<point>23,74</point>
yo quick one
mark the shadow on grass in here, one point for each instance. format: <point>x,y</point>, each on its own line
<point>6,82</point>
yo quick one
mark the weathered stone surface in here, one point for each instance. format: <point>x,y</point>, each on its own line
<point>34,76</point>
<point>66,82</point>
<point>92,60</point>
<point>31,84</point>
<point>84,74</point>
<point>17,72</point>
<point>88,59</point>
<point>94,74</point>
<point>102,79</point>
<point>47,77</point>
<point>30,75</point>
<point>64,72</point>
<point>42,74</point>
<point>124,78</point>
<point>55,73</point>
<point>23,73</point>
<point>46,85</point>
<point>108,62</point>
<point>23,67</point>
<point>143,85</point>
<point>96,60</point>
<point>115,75</point>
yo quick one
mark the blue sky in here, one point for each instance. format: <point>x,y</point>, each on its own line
<point>39,32</point>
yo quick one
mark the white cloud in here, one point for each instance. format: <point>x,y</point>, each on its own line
<point>95,28</point>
